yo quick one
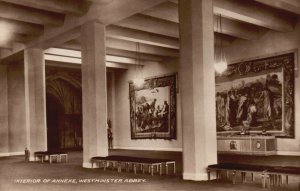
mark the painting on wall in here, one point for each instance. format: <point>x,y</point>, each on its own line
<point>257,96</point>
<point>153,108</point>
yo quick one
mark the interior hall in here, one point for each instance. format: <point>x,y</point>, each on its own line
<point>149,95</point>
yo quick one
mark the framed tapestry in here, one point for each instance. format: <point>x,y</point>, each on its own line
<point>257,96</point>
<point>153,108</point>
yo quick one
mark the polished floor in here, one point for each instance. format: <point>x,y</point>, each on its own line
<point>17,175</point>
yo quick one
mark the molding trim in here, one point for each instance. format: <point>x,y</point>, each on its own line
<point>289,153</point>
<point>149,148</point>
<point>195,176</point>
<point>11,154</point>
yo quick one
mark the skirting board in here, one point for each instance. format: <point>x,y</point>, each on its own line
<point>288,153</point>
<point>149,148</point>
<point>11,154</point>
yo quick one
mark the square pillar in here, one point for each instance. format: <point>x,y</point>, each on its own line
<point>94,92</point>
<point>4,135</point>
<point>197,86</point>
<point>35,100</point>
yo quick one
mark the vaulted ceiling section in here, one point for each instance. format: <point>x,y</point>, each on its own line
<point>153,24</point>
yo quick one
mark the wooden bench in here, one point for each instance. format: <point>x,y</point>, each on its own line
<point>239,168</point>
<point>276,174</point>
<point>270,175</point>
<point>143,164</point>
<point>52,155</point>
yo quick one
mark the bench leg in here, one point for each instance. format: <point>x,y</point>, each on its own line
<point>119,167</point>
<point>104,165</point>
<point>167,169</point>
<point>243,177</point>
<point>263,179</point>
<point>208,174</point>
<point>174,168</point>
<point>143,168</point>
<point>160,169</point>
<point>218,174</point>
<point>134,168</point>
<point>233,177</point>
<point>151,170</point>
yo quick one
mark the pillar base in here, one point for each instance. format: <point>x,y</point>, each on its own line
<point>195,176</point>
<point>89,165</point>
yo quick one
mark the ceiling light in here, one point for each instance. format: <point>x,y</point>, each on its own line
<point>138,81</point>
<point>220,58</point>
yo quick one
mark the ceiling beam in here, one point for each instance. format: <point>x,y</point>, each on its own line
<point>117,44</point>
<point>150,24</point>
<point>174,1</point>
<point>106,14</point>
<point>292,6</point>
<point>63,52</point>
<point>109,65</point>
<point>72,56</point>
<point>131,54</point>
<point>77,54</point>
<point>30,15</point>
<point>222,39</point>
<point>144,48</point>
<point>116,65</point>
<point>50,63</point>
<point>72,45</point>
<point>62,62</point>
<point>238,29</point>
<point>141,37</point>
<point>21,27</point>
<point>52,42</point>
<point>20,38</point>
<point>101,1</point>
<point>58,6</point>
<point>75,45</point>
<point>5,45</point>
<point>169,12</point>
<point>254,13</point>
<point>119,59</point>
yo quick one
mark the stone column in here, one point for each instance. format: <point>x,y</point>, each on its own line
<point>197,86</point>
<point>93,92</point>
<point>35,100</point>
<point>4,146</point>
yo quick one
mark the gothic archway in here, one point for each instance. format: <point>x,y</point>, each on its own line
<point>64,93</point>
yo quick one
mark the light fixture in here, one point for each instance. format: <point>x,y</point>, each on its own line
<point>138,81</point>
<point>220,58</point>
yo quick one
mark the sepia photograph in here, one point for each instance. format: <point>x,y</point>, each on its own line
<point>164,95</point>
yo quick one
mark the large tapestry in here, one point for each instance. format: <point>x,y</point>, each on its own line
<point>257,96</point>
<point>153,108</point>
